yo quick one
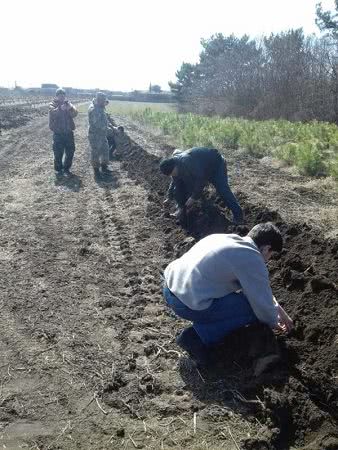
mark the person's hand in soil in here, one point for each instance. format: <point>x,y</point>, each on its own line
<point>178,214</point>
<point>285,323</point>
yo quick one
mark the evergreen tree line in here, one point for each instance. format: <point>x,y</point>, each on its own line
<point>286,75</point>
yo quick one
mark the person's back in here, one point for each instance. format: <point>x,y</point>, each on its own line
<point>216,266</point>
<point>191,171</point>
<point>97,119</point>
<point>199,162</point>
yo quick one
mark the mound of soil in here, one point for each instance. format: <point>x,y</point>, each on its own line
<point>17,116</point>
<point>295,397</point>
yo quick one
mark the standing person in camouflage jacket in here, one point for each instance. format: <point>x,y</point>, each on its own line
<point>61,122</point>
<point>97,134</point>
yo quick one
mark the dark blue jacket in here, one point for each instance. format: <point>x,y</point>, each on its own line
<point>196,168</point>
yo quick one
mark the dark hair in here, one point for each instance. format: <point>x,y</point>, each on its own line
<point>267,234</point>
<point>167,166</point>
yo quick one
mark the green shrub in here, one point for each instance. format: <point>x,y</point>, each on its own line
<point>333,167</point>
<point>309,159</point>
<point>287,152</point>
<point>311,147</point>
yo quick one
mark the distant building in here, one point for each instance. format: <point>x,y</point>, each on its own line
<point>49,86</point>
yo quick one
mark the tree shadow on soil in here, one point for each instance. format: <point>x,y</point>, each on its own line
<point>72,183</point>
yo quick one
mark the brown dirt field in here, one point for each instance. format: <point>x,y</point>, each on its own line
<point>87,352</point>
<point>19,115</point>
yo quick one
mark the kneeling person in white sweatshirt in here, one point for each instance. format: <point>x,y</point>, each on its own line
<point>222,284</point>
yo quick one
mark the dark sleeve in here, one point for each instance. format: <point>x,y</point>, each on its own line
<point>73,111</point>
<point>170,193</point>
<point>53,114</point>
<point>192,172</point>
<point>111,120</point>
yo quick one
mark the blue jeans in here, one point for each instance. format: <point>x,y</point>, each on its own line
<point>225,315</point>
<point>220,181</point>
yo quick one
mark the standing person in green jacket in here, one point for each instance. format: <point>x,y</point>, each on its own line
<point>97,134</point>
<point>61,122</point>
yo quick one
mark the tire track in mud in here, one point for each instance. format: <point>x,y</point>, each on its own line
<point>114,230</point>
<point>126,232</point>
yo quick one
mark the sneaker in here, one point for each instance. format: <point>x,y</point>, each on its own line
<point>189,341</point>
<point>67,173</point>
<point>58,173</point>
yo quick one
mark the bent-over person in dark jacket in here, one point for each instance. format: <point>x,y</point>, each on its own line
<point>61,122</point>
<point>191,171</point>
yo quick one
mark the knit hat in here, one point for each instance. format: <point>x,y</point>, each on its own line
<point>60,91</point>
<point>101,95</point>
<point>168,165</point>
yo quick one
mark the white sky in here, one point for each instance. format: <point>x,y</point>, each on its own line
<point>125,44</point>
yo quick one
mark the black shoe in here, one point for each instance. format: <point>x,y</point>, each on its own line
<point>67,173</point>
<point>97,173</point>
<point>238,221</point>
<point>105,169</point>
<point>189,341</point>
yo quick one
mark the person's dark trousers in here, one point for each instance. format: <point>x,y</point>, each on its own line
<point>180,193</point>
<point>220,181</point>
<point>63,148</point>
<point>223,316</point>
<point>112,146</point>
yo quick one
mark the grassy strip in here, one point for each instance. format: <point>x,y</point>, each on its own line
<point>311,147</point>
